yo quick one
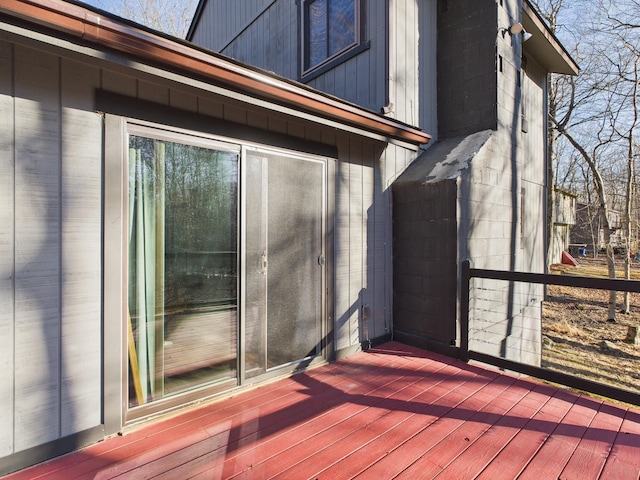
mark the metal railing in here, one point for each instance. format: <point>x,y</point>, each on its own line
<point>572,381</point>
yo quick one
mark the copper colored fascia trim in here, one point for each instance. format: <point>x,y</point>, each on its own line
<point>89,26</point>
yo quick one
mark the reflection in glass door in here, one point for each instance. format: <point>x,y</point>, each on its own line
<point>284,260</point>
<point>183,308</point>
<point>182,274</point>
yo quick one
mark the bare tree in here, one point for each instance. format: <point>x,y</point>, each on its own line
<point>550,10</point>
<point>169,16</point>
<point>596,112</point>
<point>625,65</point>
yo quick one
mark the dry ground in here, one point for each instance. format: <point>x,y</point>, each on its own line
<point>575,328</point>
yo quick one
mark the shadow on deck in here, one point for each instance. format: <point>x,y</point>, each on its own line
<point>391,412</point>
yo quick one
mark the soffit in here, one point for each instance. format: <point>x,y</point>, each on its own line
<point>544,46</point>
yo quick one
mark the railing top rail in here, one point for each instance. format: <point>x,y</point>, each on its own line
<point>465,354</point>
<point>618,284</point>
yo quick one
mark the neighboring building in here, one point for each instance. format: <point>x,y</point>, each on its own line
<point>564,218</point>
<point>462,71</point>
<point>589,229</point>
<point>174,226</point>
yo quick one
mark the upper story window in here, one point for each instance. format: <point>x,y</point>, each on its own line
<point>330,28</point>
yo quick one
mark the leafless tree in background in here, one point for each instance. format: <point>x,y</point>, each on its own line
<point>596,112</point>
<point>169,16</point>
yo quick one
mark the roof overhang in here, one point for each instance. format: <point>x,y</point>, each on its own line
<point>90,26</point>
<point>544,46</point>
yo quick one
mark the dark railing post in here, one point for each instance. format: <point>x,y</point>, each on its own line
<point>465,279</point>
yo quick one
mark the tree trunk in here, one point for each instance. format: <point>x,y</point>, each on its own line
<point>611,266</point>
<point>630,176</point>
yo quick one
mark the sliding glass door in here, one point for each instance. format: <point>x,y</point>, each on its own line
<point>225,263</point>
<point>285,211</point>
<point>182,244</point>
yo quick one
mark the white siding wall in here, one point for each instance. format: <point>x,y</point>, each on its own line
<point>505,319</point>
<point>80,247</point>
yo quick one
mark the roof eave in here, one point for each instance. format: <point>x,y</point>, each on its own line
<point>544,46</point>
<point>90,26</point>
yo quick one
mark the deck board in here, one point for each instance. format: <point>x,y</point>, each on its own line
<point>552,457</point>
<point>624,459</point>
<point>392,412</point>
<point>524,445</point>
<point>589,457</point>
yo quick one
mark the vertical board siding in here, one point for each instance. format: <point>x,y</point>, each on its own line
<point>37,251</point>
<point>7,168</point>
<point>116,82</point>
<point>403,64</point>
<point>50,248</point>
<point>368,257</point>
<point>51,353</point>
<point>427,75</point>
<point>378,218</point>
<point>266,34</point>
<point>236,16</point>
<point>343,300</point>
<point>81,201</point>
<point>491,201</point>
<point>357,243</point>
<point>533,141</point>
<point>260,33</point>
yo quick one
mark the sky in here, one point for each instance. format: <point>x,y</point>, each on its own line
<point>108,5</point>
<point>170,16</point>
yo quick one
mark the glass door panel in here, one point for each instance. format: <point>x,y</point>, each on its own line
<point>182,274</point>
<point>284,260</point>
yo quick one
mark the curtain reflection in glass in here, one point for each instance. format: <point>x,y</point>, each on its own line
<point>182,267</point>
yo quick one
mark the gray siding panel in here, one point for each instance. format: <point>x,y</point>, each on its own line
<point>81,249</point>
<point>236,14</point>
<point>266,34</point>
<point>403,67</point>
<point>427,68</point>
<point>344,309</point>
<point>50,248</point>
<point>56,245</point>
<point>7,167</point>
<point>37,253</point>
<point>357,243</point>
<point>118,83</point>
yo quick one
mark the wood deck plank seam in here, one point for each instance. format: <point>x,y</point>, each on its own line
<point>556,452</point>
<point>527,448</point>
<point>368,404</point>
<point>589,457</point>
<point>478,423</point>
<point>413,448</point>
<point>322,455</point>
<point>624,459</point>
<point>360,378</point>
<point>497,437</point>
<point>343,468</point>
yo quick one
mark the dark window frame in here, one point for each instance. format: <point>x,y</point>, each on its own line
<point>309,72</point>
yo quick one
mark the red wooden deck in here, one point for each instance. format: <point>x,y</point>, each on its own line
<point>391,412</point>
